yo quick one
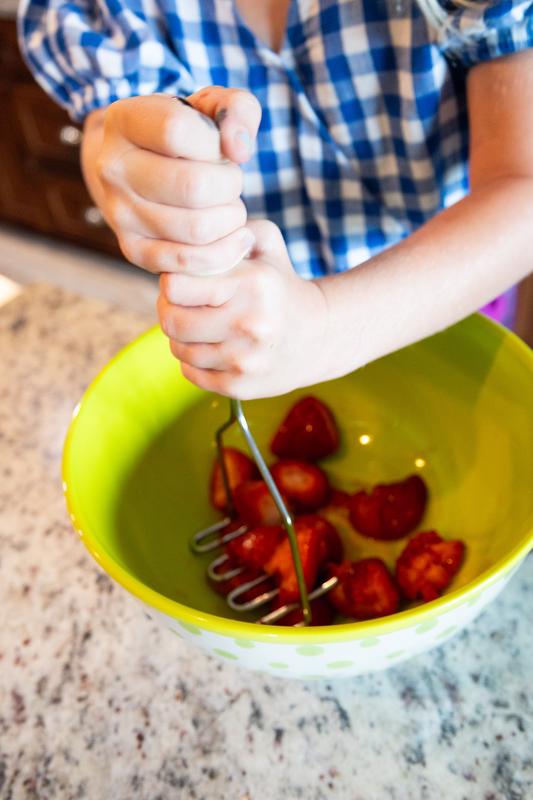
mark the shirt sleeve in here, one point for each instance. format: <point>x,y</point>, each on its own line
<point>478,31</point>
<point>88,53</point>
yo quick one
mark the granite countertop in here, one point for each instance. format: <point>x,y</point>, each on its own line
<point>98,702</point>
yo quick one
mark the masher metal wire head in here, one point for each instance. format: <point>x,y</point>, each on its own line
<point>212,537</point>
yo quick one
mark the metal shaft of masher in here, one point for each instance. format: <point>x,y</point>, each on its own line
<point>237,415</point>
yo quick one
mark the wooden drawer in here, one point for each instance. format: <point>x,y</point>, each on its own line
<point>46,131</point>
<point>19,200</point>
<point>11,62</point>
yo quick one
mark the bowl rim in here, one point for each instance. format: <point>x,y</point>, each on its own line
<point>243,629</point>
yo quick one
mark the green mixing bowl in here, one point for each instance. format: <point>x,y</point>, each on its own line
<point>456,407</point>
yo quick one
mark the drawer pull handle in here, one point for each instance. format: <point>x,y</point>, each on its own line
<point>70,135</point>
<point>93,217</point>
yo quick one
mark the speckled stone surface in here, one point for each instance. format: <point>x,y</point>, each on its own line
<point>97,702</point>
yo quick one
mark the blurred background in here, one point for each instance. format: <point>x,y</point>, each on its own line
<point>50,230</point>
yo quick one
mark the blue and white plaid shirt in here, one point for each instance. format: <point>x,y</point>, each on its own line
<point>364,132</point>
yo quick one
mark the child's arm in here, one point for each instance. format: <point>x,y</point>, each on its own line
<point>275,332</point>
<point>466,255</point>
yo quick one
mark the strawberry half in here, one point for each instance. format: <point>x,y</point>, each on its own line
<point>304,485</point>
<point>240,468</point>
<point>427,565</point>
<point>254,504</point>
<point>256,547</point>
<point>318,541</point>
<point>340,499</point>
<point>366,589</point>
<point>308,432</point>
<point>391,510</point>
<point>322,613</point>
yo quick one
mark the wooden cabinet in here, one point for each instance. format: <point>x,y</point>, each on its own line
<point>41,185</point>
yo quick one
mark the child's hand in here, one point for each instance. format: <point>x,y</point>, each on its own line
<point>256,331</point>
<point>160,174</point>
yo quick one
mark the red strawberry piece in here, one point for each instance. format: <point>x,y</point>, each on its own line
<point>255,505</point>
<point>427,565</point>
<point>304,485</point>
<point>330,543</point>
<point>318,541</point>
<point>340,499</point>
<point>391,510</point>
<point>366,589</point>
<point>308,432</point>
<point>239,467</point>
<point>282,568</point>
<point>255,548</point>
<point>322,613</point>
<point>365,514</point>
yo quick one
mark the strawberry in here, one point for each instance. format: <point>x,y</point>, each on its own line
<point>255,548</point>
<point>340,499</point>
<point>318,541</point>
<point>330,544</point>
<point>391,510</point>
<point>427,565</point>
<point>366,589</point>
<point>304,485</point>
<point>308,432</point>
<point>239,467</point>
<point>254,504</point>
<point>322,613</point>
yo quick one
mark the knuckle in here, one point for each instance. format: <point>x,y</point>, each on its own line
<point>234,180</point>
<point>236,363</point>
<point>259,283</point>
<point>130,250</point>
<point>250,326</point>
<point>116,213</point>
<point>172,129</point>
<point>105,168</point>
<point>191,189</point>
<point>217,294</point>
<point>183,260</point>
<point>199,230</point>
<point>268,232</point>
<point>240,212</point>
<point>246,98</point>
<point>167,321</point>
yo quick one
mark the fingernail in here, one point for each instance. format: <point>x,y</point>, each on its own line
<point>244,140</point>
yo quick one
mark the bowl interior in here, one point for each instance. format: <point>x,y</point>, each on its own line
<point>455,407</point>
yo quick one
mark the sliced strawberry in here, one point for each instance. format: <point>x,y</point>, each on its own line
<point>366,589</point>
<point>304,485</point>
<point>340,499</point>
<point>281,566</point>
<point>322,613</point>
<point>391,510</point>
<point>330,543</point>
<point>308,432</point>
<point>338,595</point>
<point>427,565</point>
<point>365,514</point>
<point>239,467</point>
<point>254,504</point>
<point>318,541</point>
<point>255,548</point>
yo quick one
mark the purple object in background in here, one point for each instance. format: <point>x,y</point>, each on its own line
<point>502,309</point>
